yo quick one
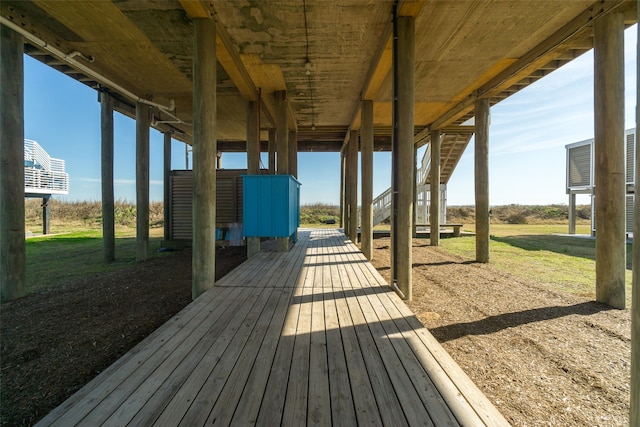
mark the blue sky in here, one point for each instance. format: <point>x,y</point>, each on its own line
<point>526,143</point>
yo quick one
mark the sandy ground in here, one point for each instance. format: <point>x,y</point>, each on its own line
<point>542,357</point>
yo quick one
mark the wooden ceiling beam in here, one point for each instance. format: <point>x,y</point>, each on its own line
<point>522,67</point>
<point>227,54</point>
<point>382,62</point>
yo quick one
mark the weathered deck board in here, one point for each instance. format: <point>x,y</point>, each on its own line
<point>309,337</point>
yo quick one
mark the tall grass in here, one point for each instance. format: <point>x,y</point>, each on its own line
<point>88,214</point>
<point>521,214</point>
<point>533,252</point>
<point>318,213</point>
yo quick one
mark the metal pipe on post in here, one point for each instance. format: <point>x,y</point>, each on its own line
<point>434,189</point>
<point>167,185</point>
<point>293,153</point>
<point>353,185</point>
<point>342,181</point>
<point>253,160</point>
<point>282,144</point>
<point>272,151</point>
<point>282,132</point>
<point>366,154</point>
<point>634,415</point>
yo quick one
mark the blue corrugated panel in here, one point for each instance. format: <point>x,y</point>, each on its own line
<point>271,205</point>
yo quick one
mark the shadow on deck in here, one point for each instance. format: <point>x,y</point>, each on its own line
<point>312,336</point>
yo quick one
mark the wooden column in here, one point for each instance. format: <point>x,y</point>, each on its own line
<point>108,201</point>
<point>434,189</point>
<point>46,215</point>
<point>293,153</point>
<point>572,213</point>
<point>272,151</point>
<point>12,245</point>
<point>204,154</point>
<point>166,175</point>
<point>366,158</point>
<point>282,144</point>
<point>253,160</point>
<point>634,416</point>
<point>482,180</point>
<point>282,132</point>
<point>609,162</point>
<point>143,119</point>
<point>404,28</point>
<point>342,181</point>
<point>352,165</point>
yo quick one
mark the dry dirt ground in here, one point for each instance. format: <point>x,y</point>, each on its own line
<point>542,357</point>
<point>55,341</point>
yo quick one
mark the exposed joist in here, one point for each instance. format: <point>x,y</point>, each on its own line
<point>382,62</point>
<point>535,59</point>
<point>227,55</point>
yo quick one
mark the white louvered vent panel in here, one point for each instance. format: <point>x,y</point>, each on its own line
<point>181,205</point>
<point>631,158</point>
<point>629,201</point>
<point>580,166</point>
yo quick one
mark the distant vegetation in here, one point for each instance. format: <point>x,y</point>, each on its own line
<point>319,213</point>
<point>89,214</point>
<point>521,214</point>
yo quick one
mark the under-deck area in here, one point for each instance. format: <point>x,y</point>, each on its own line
<point>310,336</point>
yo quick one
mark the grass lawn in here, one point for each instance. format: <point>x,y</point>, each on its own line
<point>532,251</point>
<point>76,251</point>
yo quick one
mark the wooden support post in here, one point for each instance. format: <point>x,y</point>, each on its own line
<point>353,185</point>
<point>482,180</point>
<point>282,132</point>
<point>282,143</point>
<point>108,200</point>
<point>253,160</point>
<point>342,181</point>
<point>434,189</point>
<point>404,84</point>
<point>143,119</point>
<point>293,153</point>
<point>634,416</point>
<point>166,175</point>
<point>272,151</point>
<point>46,215</point>
<point>204,152</point>
<point>12,228</point>
<point>609,147</point>
<point>366,155</point>
<point>572,213</point>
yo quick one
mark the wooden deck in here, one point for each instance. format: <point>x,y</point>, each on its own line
<point>310,337</point>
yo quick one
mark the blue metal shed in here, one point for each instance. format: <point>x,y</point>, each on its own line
<point>271,205</point>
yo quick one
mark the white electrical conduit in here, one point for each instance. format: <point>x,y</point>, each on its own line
<point>70,59</point>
